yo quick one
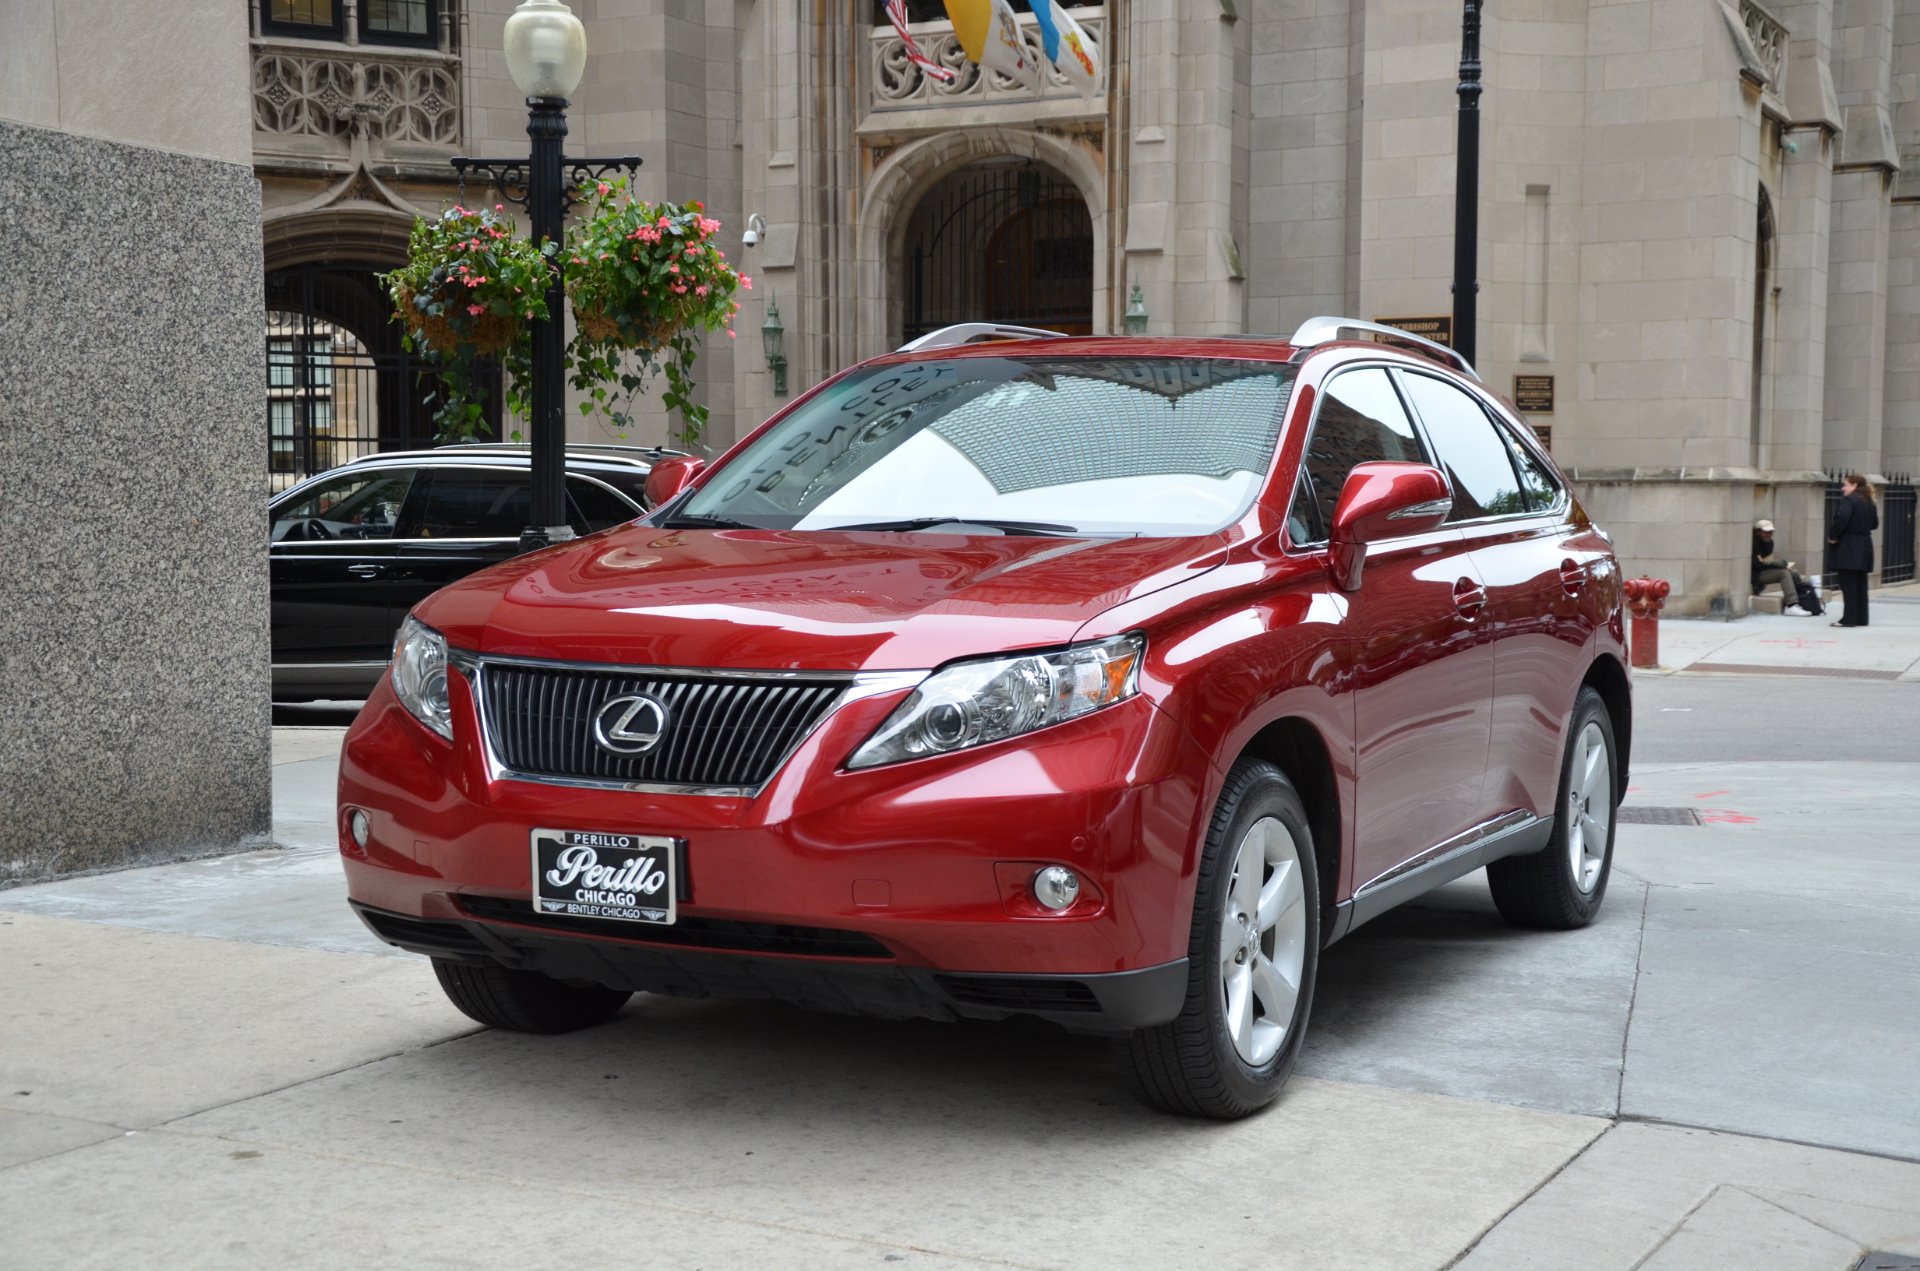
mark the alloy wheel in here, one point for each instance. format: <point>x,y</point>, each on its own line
<point>1589,807</point>
<point>1263,945</point>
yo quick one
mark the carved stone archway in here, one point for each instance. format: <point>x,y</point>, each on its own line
<point>906,173</point>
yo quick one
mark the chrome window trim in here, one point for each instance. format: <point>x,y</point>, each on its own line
<point>858,685</point>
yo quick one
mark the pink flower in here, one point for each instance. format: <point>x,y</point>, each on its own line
<point>701,290</point>
<point>674,268</point>
<point>604,187</point>
<point>663,222</point>
<point>730,334</point>
<point>746,282</point>
<point>476,310</point>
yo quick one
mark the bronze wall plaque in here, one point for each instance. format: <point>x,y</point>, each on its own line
<point>1438,328</point>
<point>1533,394</point>
<point>1545,434</point>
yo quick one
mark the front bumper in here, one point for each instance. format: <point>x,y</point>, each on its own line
<point>894,891</point>
<point>1115,1002</point>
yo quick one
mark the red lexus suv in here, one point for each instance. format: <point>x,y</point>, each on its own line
<point>1104,680</point>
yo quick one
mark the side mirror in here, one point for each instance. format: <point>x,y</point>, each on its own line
<point>670,476</point>
<point>1383,500</point>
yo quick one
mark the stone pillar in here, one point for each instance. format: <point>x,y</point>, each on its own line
<point>134,650</point>
<point>1862,222</point>
<point>1186,180</point>
<point>1301,101</point>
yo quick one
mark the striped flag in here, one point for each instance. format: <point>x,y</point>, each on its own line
<point>1068,46</point>
<point>897,10</point>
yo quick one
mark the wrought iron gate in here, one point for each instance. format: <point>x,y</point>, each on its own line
<point>339,382</point>
<point>1896,529</point>
<point>1000,242</point>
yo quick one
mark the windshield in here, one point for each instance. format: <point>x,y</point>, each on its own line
<point>1152,446</point>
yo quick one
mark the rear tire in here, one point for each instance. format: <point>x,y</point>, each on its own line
<point>1252,955</point>
<point>525,1001</point>
<point>1561,886</point>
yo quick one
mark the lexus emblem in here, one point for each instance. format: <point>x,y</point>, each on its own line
<point>630,725</point>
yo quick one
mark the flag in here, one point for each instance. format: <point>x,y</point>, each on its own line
<point>1068,46</point>
<point>990,35</point>
<point>897,10</point>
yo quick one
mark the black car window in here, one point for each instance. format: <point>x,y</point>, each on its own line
<point>349,505</point>
<point>1361,420</point>
<point>476,503</point>
<point>1541,487</point>
<point>1475,457</point>
<point>597,508</point>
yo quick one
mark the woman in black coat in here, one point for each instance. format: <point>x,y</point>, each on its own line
<point>1850,547</point>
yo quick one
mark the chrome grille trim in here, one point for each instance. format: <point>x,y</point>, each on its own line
<point>739,727</point>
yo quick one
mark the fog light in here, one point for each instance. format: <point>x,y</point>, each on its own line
<point>359,827</point>
<point>1056,888</point>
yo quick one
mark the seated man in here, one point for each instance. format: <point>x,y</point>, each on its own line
<point>1767,569</point>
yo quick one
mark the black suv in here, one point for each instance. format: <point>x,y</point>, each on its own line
<point>354,548</point>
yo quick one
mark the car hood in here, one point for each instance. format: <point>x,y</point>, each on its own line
<point>819,600</point>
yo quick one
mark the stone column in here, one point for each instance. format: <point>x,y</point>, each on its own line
<point>1302,93</point>
<point>1862,222</point>
<point>134,654</point>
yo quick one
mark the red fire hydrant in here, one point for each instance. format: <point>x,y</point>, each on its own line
<point>1645,597</point>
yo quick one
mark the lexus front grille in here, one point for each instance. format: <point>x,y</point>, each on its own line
<point>716,730</point>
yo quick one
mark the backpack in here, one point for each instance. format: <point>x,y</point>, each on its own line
<point>1810,600</point>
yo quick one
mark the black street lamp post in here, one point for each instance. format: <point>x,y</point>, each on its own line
<point>1466,189</point>
<point>546,51</point>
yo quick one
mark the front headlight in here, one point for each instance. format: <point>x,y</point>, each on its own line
<point>420,676</point>
<point>972,703</point>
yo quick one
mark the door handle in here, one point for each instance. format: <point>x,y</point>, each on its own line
<point>1572,578</point>
<point>1469,597</point>
<point>366,571</point>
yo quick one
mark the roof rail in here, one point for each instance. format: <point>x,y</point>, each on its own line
<point>966,332</point>
<point>1327,329</point>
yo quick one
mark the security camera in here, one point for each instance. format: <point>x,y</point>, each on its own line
<point>756,226</point>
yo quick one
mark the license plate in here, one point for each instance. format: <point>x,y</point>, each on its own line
<point>593,874</point>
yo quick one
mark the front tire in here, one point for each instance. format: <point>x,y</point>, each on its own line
<point>525,1001</point>
<point>1253,953</point>
<point>1560,887</point>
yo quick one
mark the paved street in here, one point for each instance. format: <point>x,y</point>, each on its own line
<point>211,1064</point>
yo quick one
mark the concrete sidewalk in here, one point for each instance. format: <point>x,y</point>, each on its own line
<point>1887,648</point>
<point>212,1065</point>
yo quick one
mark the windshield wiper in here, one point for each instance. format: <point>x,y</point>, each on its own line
<point>688,521</point>
<point>929,522</point>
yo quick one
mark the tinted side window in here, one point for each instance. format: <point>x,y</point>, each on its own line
<point>476,504</point>
<point>597,508</point>
<point>1361,421</point>
<point>1475,457</point>
<point>352,505</point>
<point>1536,479</point>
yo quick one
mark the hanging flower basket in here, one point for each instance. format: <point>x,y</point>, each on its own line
<point>470,286</point>
<point>645,280</point>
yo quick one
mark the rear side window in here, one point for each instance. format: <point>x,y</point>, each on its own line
<point>1475,457</point>
<point>1361,420</point>
<point>1536,479</point>
<point>476,503</point>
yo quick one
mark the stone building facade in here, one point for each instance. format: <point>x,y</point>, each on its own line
<point>1698,218</point>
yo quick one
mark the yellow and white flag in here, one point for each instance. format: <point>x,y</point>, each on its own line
<point>990,36</point>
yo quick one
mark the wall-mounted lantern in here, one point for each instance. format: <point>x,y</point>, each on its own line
<point>1136,311</point>
<point>773,338</point>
